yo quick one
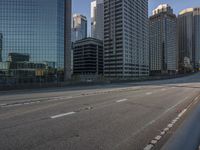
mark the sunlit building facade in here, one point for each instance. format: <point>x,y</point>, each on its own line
<point>97,19</point>
<point>79,27</point>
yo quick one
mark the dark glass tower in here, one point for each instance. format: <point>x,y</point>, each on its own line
<point>1,45</point>
<point>36,28</point>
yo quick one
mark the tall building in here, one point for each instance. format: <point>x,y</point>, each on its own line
<point>1,46</point>
<point>79,27</point>
<point>189,38</point>
<point>67,42</point>
<point>185,38</point>
<point>126,51</point>
<point>37,28</point>
<point>88,57</point>
<point>163,40</point>
<point>97,17</point>
<point>196,14</point>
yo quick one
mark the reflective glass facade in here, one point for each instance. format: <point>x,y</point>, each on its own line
<point>34,27</point>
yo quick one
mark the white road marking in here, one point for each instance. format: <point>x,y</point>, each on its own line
<point>162,133</point>
<point>69,97</point>
<point>163,89</point>
<point>158,137</point>
<point>156,119</point>
<point>170,125</point>
<point>154,141</point>
<point>174,121</point>
<point>122,100</point>
<point>181,114</point>
<point>148,93</point>
<point>62,115</point>
<point>148,147</point>
<point>166,129</point>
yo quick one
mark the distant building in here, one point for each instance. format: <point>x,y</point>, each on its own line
<point>126,49</point>
<point>97,17</point>
<point>18,69</point>
<point>17,57</point>
<point>79,27</point>
<point>185,37</point>
<point>189,37</point>
<point>163,40</point>
<point>88,58</point>
<point>196,14</point>
<point>1,46</point>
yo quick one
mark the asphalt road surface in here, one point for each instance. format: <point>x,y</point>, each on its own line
<point>125,116</point>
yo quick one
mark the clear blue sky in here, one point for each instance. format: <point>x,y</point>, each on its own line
<point>83,6</point>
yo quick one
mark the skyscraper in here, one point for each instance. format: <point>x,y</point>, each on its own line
<point>79,27</point>
<point>185,38</point>
<point>163,40</point>
<point>97,17</point>
<point>37,28</point>
<point>1,46</point>
<point>67,42</point>
<point>126,52</point>
<point>196,14</point>
<point>189,37</point>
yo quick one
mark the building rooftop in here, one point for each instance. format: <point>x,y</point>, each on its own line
<point>80,15</point>
<point>186,11</point>
<point>163,8</point>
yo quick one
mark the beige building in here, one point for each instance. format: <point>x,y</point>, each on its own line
<point>97,19</point>
<point>79,27</point>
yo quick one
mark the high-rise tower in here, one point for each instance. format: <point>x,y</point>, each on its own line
<point>189,37</point>
<point>39,28</point>
<point>163,40</point>
<point>97,17</point>
<point>79,27</point>
<point>126,52</point>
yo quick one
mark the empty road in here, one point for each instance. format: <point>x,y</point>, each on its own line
<point>125,116</point>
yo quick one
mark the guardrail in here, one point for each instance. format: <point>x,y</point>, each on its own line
<point>187,137</point>
<point>19,86</point>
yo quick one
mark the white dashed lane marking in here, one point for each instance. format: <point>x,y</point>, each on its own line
<point>62,115</point>
<point>148,93</point>
<point>148,147</point>
<point>163,89</point>
<point>122,100</point>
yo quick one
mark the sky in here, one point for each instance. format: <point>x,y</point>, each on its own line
<point>83,6</point>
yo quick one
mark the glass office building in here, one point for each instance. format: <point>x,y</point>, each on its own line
<point>34,27</point>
